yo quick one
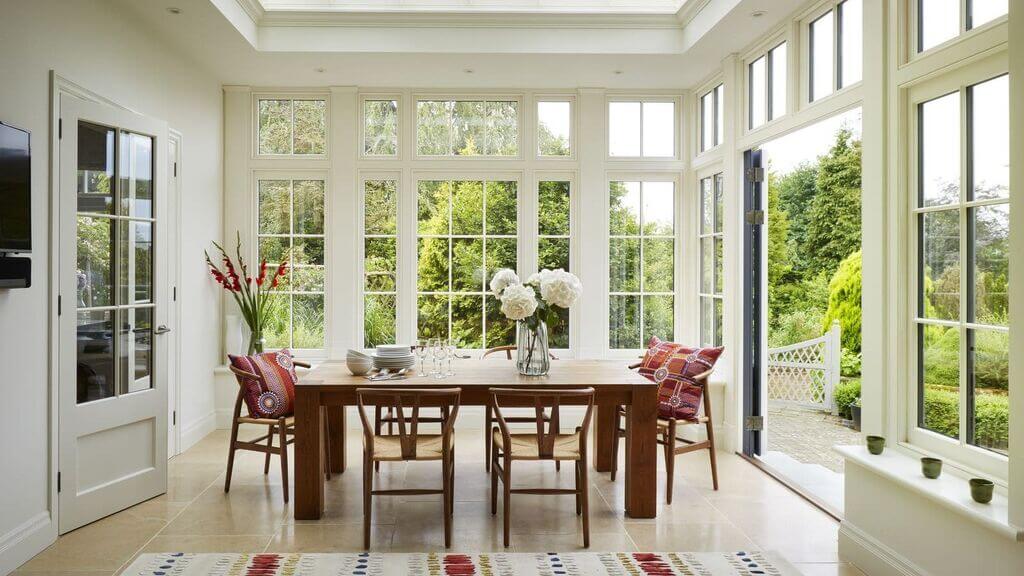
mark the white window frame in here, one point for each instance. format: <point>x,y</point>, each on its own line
<point>717,94</point>
<point>957,451</point>
<point>763,49</point>
<point>677,139</point>
<point>519,99</point>
<point>365,97</point>
<point>400,272</point>
<point>806,67</point>
<point>253,251</point>
<point>712,172</point>
<point>911,12</point>
<point>278,95</point>
<point>531,240</point>
<point>535,126</point>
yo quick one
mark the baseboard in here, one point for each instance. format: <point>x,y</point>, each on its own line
<point>25,541</point>
<point>871,556</point>
<point>197,430</point>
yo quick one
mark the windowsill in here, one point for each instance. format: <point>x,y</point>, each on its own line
<point>949,490</point>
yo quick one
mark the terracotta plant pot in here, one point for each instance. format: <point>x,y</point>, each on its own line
<point>876,444</point>
<point>981,490</point>
<point>931,467</point>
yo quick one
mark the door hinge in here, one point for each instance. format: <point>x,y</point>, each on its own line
<point>753,423</point>
<point>175,169</point>
<point>755,174</point>
<point>60,128</point>
<point>60,307</point>
<point>174,418</point>
<point>58,482</point>
<point>755,217</point>
<point>174,293</point>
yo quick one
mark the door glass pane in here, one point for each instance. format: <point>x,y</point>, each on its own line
<point>502,209</point>
<point>432,316</point>
<point>718,265</point>
<point>990,138</point>
<point>95,355</point>
<point>624,129</point>
<point>553,214</point>
<point>658,264</point>
<point>659,129</point>
<point>624,216</point>
<point>707,207</point>
<point>136,254</point>
<point>940,150</point>
<point>135,349</point>
<point>990,381</point>
<point>983,11</point>
<point>779,81</point>
<point>719,202</point>
<point>379,319</point>
<point>822,61</point>
<point>95,168</point>
<point>468,321</point>
<point>554,121</point>
<point>624,265</point>
<point>940,380</point>
<point>658,320</point>
<point>851,48</point>
<point>95,256</point>
<point>991,251</point>
<point>275,206</point>
<point>136,175</point>
<point>718,322</point>
<point>308,321</point>
<point>381,207</point>
<point>707,321</point>
<point>500,330</point>
<point>940,265</point>
<point>553,253</point>
<point>757,94</point>
<point>938,21</point>
<point>707,265</point>
<point>380,128</point>
<point>379,264</point>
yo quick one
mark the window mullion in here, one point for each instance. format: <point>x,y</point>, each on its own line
<point>966,265</point>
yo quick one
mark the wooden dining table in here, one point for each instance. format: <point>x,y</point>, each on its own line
<point>324,392</point>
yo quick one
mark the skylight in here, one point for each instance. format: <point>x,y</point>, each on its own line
<point>484,6</point>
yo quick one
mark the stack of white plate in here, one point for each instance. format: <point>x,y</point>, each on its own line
<point>393,357</point>
<point>358,363</point>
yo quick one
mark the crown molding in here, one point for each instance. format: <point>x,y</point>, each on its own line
<point>393,19</point>
<point>689,10</point>
<point>253,8</point>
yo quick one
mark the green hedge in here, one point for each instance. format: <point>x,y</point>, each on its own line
<point>992,416</point>
<point>845,394</point>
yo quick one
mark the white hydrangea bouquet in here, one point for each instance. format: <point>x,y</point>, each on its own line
<point>533,315</point>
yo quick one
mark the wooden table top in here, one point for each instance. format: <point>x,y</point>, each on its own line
<point>498,372</point>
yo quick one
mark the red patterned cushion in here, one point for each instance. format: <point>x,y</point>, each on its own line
<point>679,393</point>
<point>657,352</point>
<point>273,394</point>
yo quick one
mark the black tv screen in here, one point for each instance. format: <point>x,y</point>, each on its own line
<point>15,190</point>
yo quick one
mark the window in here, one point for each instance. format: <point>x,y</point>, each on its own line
<point>380,127</point>
<point>836,49</point>
<point>766,86</point>
<point>292,126</point>
<point>712,118</point>
<point>642,129</point>
<point>822,56</point>
<point>939,20</point>
<point>554,128</point>
<point>467,128</point>
<point>380,261</point>
<point>710,238</point>
<point>291,228</point>
<point>554,242</point>
<point>466,230</point>
<point>641,262</point>
<point>962,262</point>
<point>851,42</point>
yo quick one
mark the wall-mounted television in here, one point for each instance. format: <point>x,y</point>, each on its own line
<point>15,190</point>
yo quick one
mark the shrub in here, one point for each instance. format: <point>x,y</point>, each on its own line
<point>844,292</point>
<point>795,326</point>
<point>991,418</point>
<point>850,363</point>
<point>845,394</point>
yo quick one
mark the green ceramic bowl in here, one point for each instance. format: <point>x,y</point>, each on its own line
<point>981,490</point>
<point>876,444</point>
<point>931,467</point>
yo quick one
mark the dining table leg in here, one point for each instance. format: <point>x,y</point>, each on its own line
<point>336,426</point>
<point>604,437</point>
<point>309,477</point>
<point>642,453</point>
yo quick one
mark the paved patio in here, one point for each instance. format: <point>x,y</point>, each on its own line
<point>808,435</point>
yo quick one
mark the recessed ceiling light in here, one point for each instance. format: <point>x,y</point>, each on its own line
<point>617,72</point>
<point>173,10</point>
<point>757,13</point>
<point>468,70</point>
<point>320,69</point>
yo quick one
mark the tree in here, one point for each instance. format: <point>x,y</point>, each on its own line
<point>844,301</point>
<point>796,190</point>
<point>834,217</point>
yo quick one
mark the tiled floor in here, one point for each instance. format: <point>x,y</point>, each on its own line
<point>750,511</point>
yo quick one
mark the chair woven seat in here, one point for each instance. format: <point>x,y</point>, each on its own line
<point>664,423</point>
<point>389,448</point>
<point>524,446</point>
<point>289,421</point>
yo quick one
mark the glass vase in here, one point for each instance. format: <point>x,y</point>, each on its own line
<point>532,357</point>
<point>255,342</point>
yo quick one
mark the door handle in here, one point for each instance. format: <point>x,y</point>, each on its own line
<point>161,329</point>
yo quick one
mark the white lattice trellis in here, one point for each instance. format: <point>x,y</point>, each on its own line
<point>806,373</point>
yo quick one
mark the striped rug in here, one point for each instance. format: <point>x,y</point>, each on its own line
<point>453,564</point>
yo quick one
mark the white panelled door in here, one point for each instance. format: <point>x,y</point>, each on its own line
<point>113,313</point>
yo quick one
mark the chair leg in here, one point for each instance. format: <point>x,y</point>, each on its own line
<point>487,437</point>
<point>231,455</point>
<point>507,481</point>
<point>494,487</point>
<point>446,489</point>
<point>270,444</point>
<point>367,496</point>
<point>615,447</point>
<point>670,459</point>
<point>585,496</point>
<point>711,450</point>
<point>451,491</point>
<point>579,503</point>
<point>376,432</point>
<point>283,430</point>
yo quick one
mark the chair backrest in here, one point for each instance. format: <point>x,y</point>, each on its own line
<point>508,352</point>
<point>447,399</point>
<point>542,399</point>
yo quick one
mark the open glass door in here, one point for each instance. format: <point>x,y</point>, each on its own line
<point>753,312</point>
<point>113,359</point>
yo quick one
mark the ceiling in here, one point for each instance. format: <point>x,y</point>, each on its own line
<point>312,49</point>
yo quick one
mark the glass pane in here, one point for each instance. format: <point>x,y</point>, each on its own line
<point>95,168</point>
<point>940,150</point>
<point>468,128</point>
<point>278,330</point>
<point>433,128</point>
<point>310,126</point>
<point>624,265</point>
<point>938,21</point>
<point>719,202</point>
<point>940,264</point>
<point>757,78</point>
<point>500,330</point>
<point>624,216</point>
<point>136,255</point>
<point>502,215</point>
<point>822,59</point>
<point>718,265</point>
<point>135,349</point>
<point>275,206</point>
<point>380,127</point>
<point>308,279</point>
<point>554,122</point>
<point>308,202</point>
<point>624,322</point>
<point>778,81</point>
<point>659,208</point>
<point>467,321</point>
<point>95,355</point>
<point>467,265</point>
<point>707,121</point>
<point>136,175</point>
<point>502,129</point>
<point>707,321</point>
<point>707,265</point>
<point>707,207</point>
<point>273,249</point>
<point>558,334</point>
<point>983,11</point>
<point>308,251</point>
<point>658,318</point>
<point>990,382</point>
<point>432,265</point>
<point>275,126</point>
<point>624,129</point>
<point>380,212</point>
<point>553,209</point>
<point>991,264</point>
<point>308,321</point>
<point>432,317</point>
<point>659,264</point>
<point>95,255</point>
<point>940,380</point>
<point>719,113</point>
<point>501,253</point>
<point>851,48</point>
<point>553,253</point>
<point>432,207</point>
<point>659,129</point>
<point>718,322</point>
<point>990,138</point>
<point>379,319</point>
<point>468,207</point>
<point>380,264</point>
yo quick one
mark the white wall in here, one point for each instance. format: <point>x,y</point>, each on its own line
<point>88,42</point>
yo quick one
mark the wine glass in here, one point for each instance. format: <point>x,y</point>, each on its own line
<point>441,353</point>
<point>435,356</point>
<point>421,353</point>
<point>451,354</point>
